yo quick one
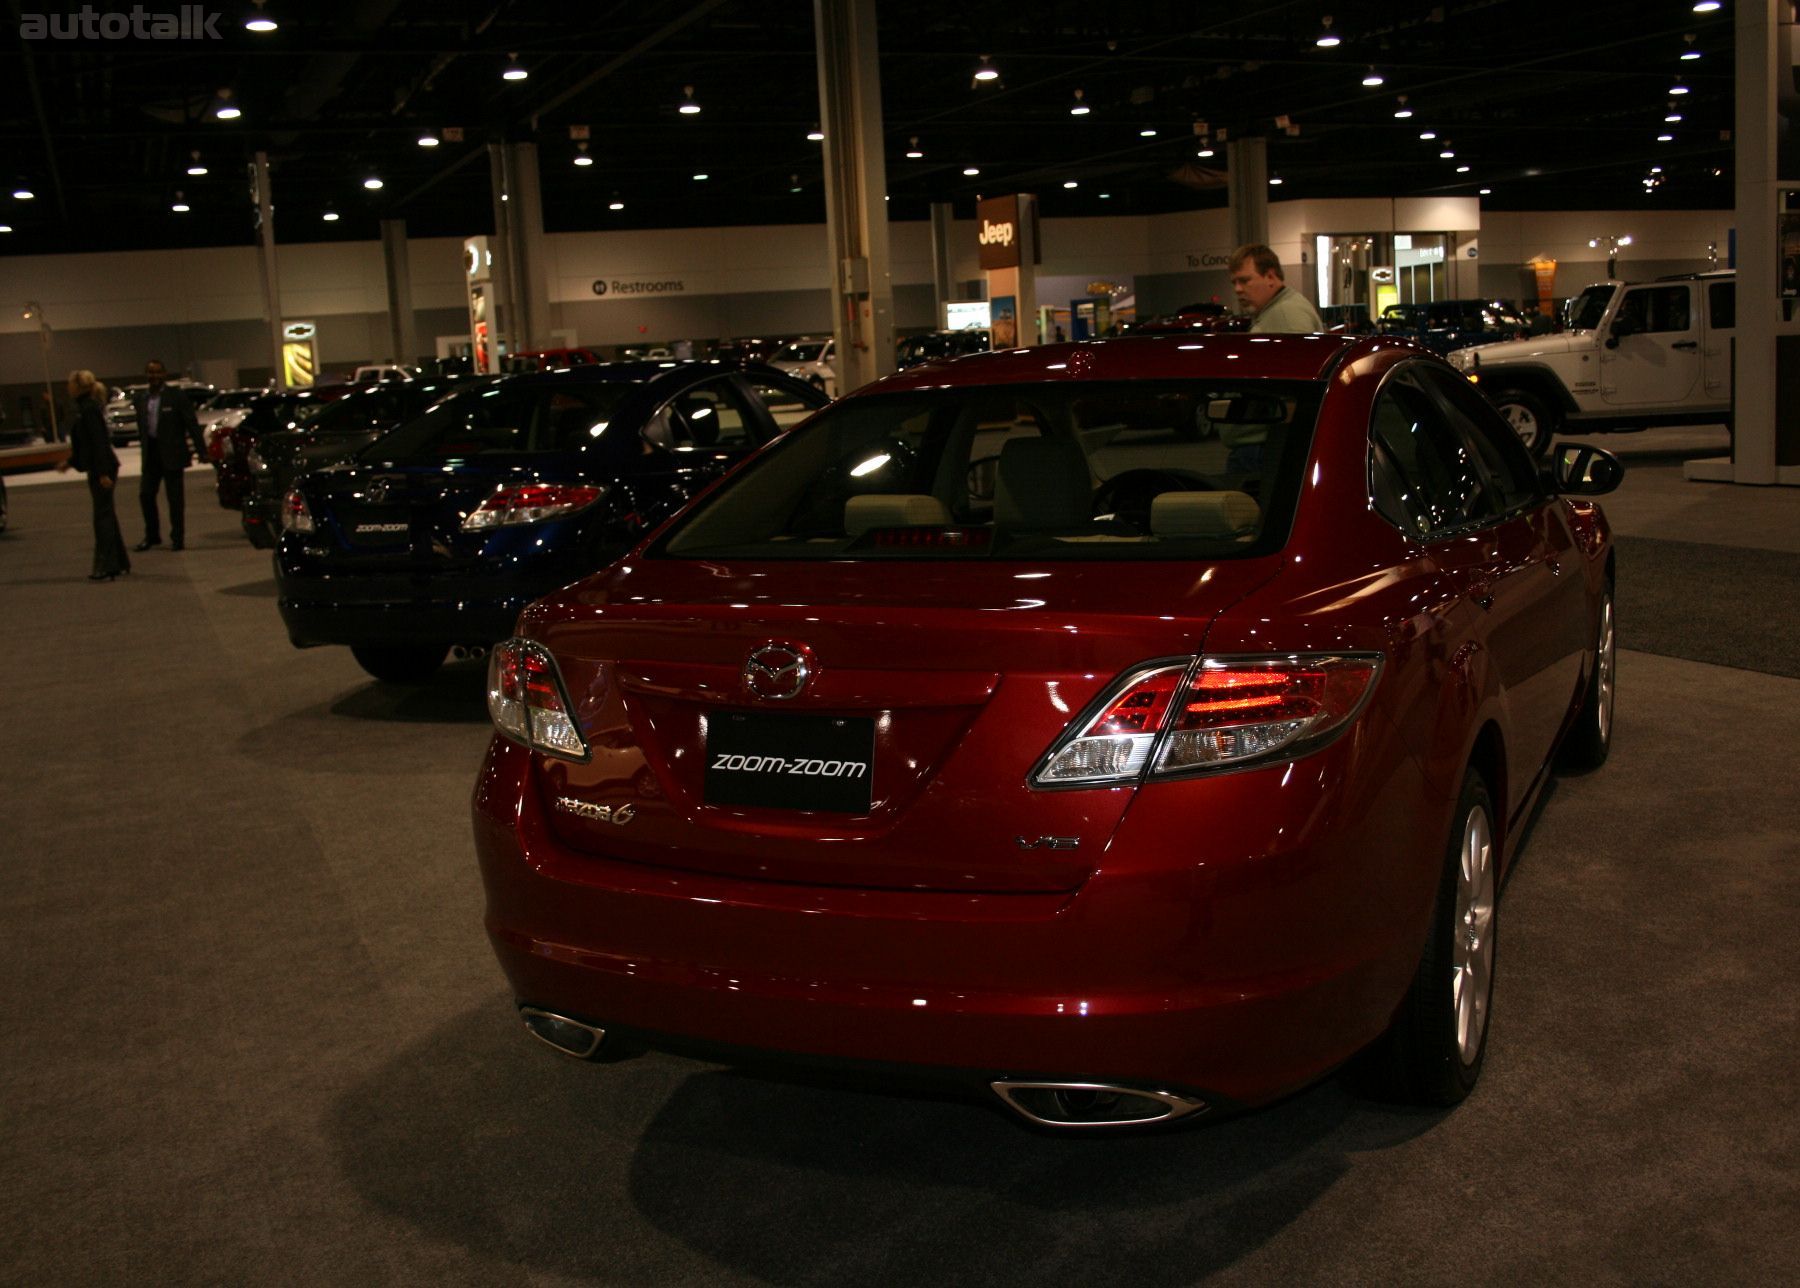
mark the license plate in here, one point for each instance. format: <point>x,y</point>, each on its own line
<point>800,762</point>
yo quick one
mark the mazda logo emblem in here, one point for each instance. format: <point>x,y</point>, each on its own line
<point>378,491</point>
<point>778,671</point>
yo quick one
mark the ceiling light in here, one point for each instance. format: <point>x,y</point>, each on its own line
<point>1462,169</point>
<point>687,106</point>
<point>581,155</point>
<point>1078,108</point>
<point>428,140</point>
<point>971,171</point>
<point>985,72</point>
<point>5,228</point>
<point>815,135</point>
<point>1204,152</point>
<point>702,177</point>
<point>180,206</point>
<point>1487,192</point>
<point>1655,169</point>
<point>1071,183</point>
<point>22,193</point>
<point>1708,6</point>
<point>1146,134</point>
<point>913,151</point>
<point>227,111</point>
<point>1428,134</point>
<point>1665,138</point>
<point>1675,90</point>
<point>514,70</point>
<point>1672,118</point>
<point>373,184</point>
<point>1275,181</point>
<point>615,205</point>
<point>1328,39</point>
<point>1105,196</point>
<point>330,216</point>
<point>1447,154</point>
<point>259,22</point>
<point>196,166</point>
<point>1373,78</point>
<point>1402,112</point>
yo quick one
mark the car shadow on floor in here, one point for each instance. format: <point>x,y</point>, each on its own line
<point>457,694</point>
<point>477,1136</point>
<point>264,589</point>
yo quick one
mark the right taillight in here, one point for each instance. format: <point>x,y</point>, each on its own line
<point>528,703</point>
<point>295,515</point>
<point>1199,714</point>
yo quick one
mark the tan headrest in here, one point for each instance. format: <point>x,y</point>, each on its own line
<point>1204,514</point>
<point>894,510</point>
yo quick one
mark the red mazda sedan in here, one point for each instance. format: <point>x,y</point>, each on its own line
<point>1127,730</point>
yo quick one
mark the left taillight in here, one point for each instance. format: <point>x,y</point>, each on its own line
<point>528,702</point>
<point>1189,716</point>
<point>295,514</point>
<point>514,503</point>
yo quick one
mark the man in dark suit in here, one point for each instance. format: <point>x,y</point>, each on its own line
<point>167,427</point>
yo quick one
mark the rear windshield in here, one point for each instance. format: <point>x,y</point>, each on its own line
<point>801,351</point>
<point>1126,470</point>
<point>511,417</point>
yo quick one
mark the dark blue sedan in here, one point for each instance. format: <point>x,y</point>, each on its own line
<point>437,534</point>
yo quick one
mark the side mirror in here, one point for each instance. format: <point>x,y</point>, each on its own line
<point>1580,470</point>
<point>1622,326</point>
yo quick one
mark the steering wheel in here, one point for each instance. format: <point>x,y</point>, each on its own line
<point>1128,496</point>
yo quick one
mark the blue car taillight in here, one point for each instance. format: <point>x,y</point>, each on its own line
<point>515,503</point>
<point>528,702</point>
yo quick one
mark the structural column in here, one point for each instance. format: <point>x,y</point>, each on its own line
<point>943,221</point>
<point>1247,188</point>
<point>856,226</point>
<point>271,283</point>
<point>403,340</point>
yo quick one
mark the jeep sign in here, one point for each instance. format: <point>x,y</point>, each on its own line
<point>998,220</point>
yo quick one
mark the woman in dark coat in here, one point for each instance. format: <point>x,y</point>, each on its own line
<point>91,452</point>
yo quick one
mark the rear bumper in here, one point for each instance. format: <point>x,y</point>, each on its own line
<point>1238,986</point>
<point>395,622</point>
<point>259,521</point>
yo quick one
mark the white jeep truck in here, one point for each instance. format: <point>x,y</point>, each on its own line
<point>1635,355</point>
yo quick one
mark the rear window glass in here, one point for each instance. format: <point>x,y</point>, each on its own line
<point>1129,470</point>
<point>511,418</point>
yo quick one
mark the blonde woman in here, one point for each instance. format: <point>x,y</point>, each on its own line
<point>91,452</point>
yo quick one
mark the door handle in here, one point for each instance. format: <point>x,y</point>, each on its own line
<point>1685,344</point>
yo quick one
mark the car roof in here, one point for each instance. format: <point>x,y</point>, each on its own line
<point>643,371</point>
<point>1184,355</point>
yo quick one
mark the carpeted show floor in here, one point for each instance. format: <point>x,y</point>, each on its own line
<point>251,1032</point>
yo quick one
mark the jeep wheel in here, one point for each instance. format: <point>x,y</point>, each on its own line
<point>1531,420</point>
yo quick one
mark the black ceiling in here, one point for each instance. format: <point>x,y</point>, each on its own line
<point>1552,105</point>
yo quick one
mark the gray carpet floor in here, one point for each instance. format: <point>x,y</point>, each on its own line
<point>251,1032</point>
<point>1732,607</point>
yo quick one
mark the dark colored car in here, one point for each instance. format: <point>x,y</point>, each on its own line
<point>333,433</point>
<point>1444,325</point>
<point>548,359</point>
<point>438,533</point>
<point>229,446</point>
<point>936,345</point>
<point>1127,730</point>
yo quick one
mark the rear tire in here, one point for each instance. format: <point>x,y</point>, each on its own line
<point>1530,417</point>
<point>1433,1051</point>
<point>1589,742</point>
<point>400,663</point>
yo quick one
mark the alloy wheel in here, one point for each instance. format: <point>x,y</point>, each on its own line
<point>1523,423</point>
<point>1472,952</point>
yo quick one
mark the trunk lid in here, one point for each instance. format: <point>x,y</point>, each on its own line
<point>955,678</point>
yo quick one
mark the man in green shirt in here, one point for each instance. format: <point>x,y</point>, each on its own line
<point>1257,279</point>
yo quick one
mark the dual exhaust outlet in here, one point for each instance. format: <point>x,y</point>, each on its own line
<point>1059,1105</point>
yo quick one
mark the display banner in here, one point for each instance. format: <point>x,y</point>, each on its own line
<point>299,357</point>
<point>1544,270</point>
<point>997,221</point>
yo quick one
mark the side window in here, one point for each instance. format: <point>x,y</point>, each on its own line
<point>1721,303</point>
<point>1658,308</point>
<point>710,416</point>
<point>785,406</point>
<point>1441,485</point>
<point>568,420</point>
<point>1510,469</point>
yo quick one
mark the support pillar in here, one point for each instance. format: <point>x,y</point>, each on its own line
<point>530,266</point>
<point>856,224</point>
<point>943,220</point>
<point>1247,189</point>
<point>403,339</point>
<point>271,282</point>
<point>1766,431</point>
<point>502,305</point>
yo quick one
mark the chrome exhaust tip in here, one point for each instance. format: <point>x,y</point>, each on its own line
<point>1075,1105</point>
<point>468,652</point>
<point>571,1037</point>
